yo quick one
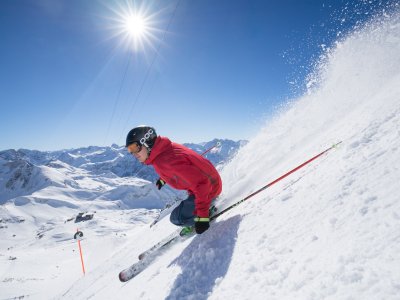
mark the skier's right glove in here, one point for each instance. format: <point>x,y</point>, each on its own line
<point>201,224</point>
<point>160,183</point>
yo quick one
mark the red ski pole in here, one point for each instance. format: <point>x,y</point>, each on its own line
<point>273,182</point>
<point>209,149</point>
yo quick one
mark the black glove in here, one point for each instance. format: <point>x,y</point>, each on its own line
<point>160,183</point>
<point>201,224</point>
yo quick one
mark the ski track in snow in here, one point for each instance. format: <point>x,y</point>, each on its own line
<point>329,231</point>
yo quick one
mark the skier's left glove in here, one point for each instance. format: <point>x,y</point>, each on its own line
<point>201,224</point>
<point>160,183</point>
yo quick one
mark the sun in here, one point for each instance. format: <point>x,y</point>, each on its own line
<point>136,26</point>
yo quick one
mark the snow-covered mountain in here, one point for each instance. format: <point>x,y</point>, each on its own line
<point>20,177</point>
<point>26,171</point>
<point>329,231</point>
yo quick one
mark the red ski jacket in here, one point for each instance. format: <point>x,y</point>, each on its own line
<point>184,169</point>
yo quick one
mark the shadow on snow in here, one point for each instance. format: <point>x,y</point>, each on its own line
<point>205,260</point>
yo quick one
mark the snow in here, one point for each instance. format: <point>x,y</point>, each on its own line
<point>329,231</point>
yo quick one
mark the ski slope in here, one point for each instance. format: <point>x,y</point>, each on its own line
<point>329,231</point>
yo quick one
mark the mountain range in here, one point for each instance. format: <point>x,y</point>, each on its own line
<point>25,171</point>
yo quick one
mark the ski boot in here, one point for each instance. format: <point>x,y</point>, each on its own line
<point>187,230</point>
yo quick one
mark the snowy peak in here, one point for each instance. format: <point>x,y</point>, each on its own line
<point>20,177</point>
<point>220,150</point>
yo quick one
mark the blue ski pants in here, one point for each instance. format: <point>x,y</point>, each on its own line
<point>182,215</point>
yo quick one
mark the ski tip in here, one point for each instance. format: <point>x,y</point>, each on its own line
<point>122,277</point>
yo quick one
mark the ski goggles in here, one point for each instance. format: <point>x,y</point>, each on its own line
<point>134,148</point>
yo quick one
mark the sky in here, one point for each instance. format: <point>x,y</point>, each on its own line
<point>70,76</point>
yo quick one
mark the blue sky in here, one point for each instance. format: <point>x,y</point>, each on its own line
<point>223,67</point>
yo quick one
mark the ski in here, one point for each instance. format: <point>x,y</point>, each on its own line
<point>166,211</point>
<point>147,257</point>
<point>166,241</point>
<point>133,270</point>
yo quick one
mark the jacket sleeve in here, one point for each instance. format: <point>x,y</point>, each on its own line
<point>198,183</point>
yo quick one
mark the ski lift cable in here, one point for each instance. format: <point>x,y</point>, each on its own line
<point>118,97</point>
<point>150,68</point>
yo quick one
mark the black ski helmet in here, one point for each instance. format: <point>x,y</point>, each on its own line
<point>144,135</point>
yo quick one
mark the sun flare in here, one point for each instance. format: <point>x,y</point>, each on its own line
<point>136,26</point>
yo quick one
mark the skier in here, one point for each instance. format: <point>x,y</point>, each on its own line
<point>183,169</point>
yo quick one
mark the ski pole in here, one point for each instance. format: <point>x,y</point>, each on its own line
<point>273,182</point>
<point>78,236</point>
<point>209,149</point>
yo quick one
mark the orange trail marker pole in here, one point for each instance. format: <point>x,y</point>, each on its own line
<point>78,236</point>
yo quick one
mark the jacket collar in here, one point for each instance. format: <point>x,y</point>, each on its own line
<point>160,145</point>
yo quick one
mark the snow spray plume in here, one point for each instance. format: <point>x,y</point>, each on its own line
<point>350,75</point>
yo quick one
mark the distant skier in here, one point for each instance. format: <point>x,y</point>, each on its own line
<point>183,169</point>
